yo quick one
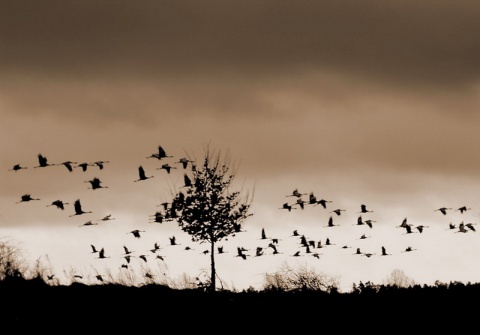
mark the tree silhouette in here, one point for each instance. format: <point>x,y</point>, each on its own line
<point>207,209</point>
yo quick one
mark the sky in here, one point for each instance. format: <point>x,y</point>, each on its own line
<point>365,102</point>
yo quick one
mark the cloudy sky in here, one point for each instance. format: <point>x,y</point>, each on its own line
<point>359,102</point>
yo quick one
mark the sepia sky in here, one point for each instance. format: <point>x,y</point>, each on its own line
<point>359,102</point>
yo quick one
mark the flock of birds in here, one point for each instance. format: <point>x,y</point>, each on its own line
<point>167,212</point>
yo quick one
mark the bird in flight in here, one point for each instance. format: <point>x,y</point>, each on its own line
<point>100,164</point>
<point>160,154</point>
<point>142,175</point>
<point>338,211</point>
<point>470,226</point>
<point>68,165</point>
<point>43,162</point>
<point>101,253</point>
<point>136,233</point>
<point>96,183</point>
<point>463,209</point>
<point>88,223</point>
<point>363,209</point>
<point>323,202</point>
<point>184,161</point>
<point>59,204</point>
<point>84,166</point>
<point>17,167</point>
<point>297,194</point>
<point>166,167</point>
<point>26,198</point>
<point>94,250</point>
<point>78,208</point>
<point>287,206</point>
<point>443,210</point>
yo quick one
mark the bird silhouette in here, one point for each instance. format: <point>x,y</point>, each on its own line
<point>287,206</point>
<point>17,167</point>
<point>78,208</point>
<point>463,209</point>
<point>127,251</point>
<point>470,226</point>
<point>166,167</point>
<point>160,154</point>
<point>301,203</point>
<point>369,223</point>
<point>84,166</point>
<point>136,233</point>
<point>240,253</point>
<point>95,183</point>
<point>142,175</point>
<point>443,210</point>
<point>100,164</point>
<point>409,249</point>
<point>363,209</point>
<point>43,161</point>
<point>420,228</point>
<point>461,228</point>
<point>26,197</point>
<point>94,250</point>
<point>323,202</point>
<point>384,251</point>
<point>184,161</point>
<point>68,165</point>
<point>101,253</point>
<point>338,211</point>
<point>89,223</point>
<point>107,218</point>
<point>59,204</point>
<point>143,257</point>
<point>295,193</point>
<point>99,277</point>
<point>173,240</point>
<point>330,222</point>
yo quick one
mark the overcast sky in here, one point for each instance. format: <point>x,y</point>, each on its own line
<point>365,102</point>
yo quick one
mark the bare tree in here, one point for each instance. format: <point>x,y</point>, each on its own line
<point>207,209</point>
<point>399,278</point>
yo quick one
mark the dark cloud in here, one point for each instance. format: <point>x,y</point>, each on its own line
<point>399,41</point>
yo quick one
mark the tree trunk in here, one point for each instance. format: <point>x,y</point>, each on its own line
<point>212,267</point>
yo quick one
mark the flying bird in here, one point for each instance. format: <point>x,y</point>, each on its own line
<point>443,210</point>
<point>160,154</point>
<point>84,166</point>
<point>287,206</point>
<point>59,204</point>
<point>338,211</point>
<point>363,209</point>
<point>96,183</point>
<point>323,202</point>
<point>297,194</point>
<point>94,250</point>
<point>166,167</point>
<point>470,226</point>
<point>141,174</point>
<point>26,198</point>
<point>100,164</point>
<point>68,165</point>
<point>136,233</point>
<point>78,208</point>
<point>89,223</point>
<point>43,162</point>
<point>17,167</point>
<point>463,209</point>
<point>101,253</point>
<point>184,161</point>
